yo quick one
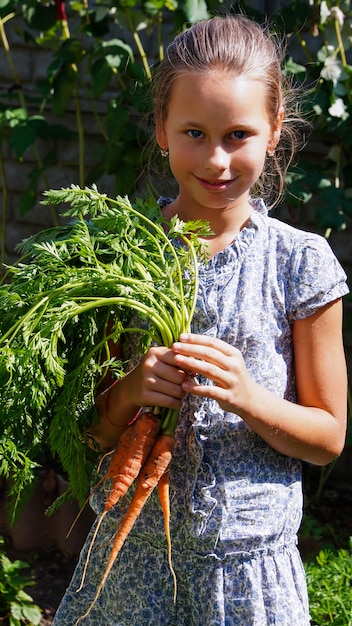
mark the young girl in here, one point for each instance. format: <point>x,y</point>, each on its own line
<point>268,383</point>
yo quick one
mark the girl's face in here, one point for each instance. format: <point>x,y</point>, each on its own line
<point>217,132</point>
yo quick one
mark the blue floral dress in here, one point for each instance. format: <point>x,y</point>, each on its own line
<point>236,503</point>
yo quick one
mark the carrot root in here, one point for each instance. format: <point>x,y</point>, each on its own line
<point>132,451</point>
<point>83,507</point>
<point>164,497</point>
<point>99,522</point>
<point>157,463</point>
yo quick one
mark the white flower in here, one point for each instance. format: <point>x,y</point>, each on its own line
<point>334,13</point>
<point>338,109</point>
<point>337,14</point>
<point>324,12</point>
<point>332,69</point>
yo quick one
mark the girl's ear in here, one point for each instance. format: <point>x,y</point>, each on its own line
<point>275,137</point>
<point>160,136</point>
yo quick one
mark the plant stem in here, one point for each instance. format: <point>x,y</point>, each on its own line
<point>17,326</point>
<point>4,209</point>
<point>6,46</point>
<point>139,45</point>
<point>170,422</point>
<point>160,36</point>
<point>80,130</point>
<point>341,48</point>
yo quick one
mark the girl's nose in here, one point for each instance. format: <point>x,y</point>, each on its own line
<point>217,158</point>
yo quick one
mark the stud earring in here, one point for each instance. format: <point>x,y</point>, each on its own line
<point>271,152</point>
<point>164,153</point>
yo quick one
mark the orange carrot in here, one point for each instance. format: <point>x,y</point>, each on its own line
<point>157,463</point>
<point>164,497</point>
<point>133,449</point>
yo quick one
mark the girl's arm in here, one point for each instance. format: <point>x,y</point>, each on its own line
<point>315,428</point>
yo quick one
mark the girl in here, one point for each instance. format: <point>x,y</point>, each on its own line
<point>268,384</point>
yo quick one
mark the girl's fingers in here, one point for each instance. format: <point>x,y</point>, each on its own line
<point>205,341</point>
<point>202,353</point>
<point>217,361</point>
<point>157,380</point>
<point>160,362</point>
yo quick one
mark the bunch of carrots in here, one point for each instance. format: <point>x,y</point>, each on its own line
<point>113,258</point>
<point>143,455</point>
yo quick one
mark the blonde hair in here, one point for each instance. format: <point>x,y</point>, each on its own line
<point>239,46</point>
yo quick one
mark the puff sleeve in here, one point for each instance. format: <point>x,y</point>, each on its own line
<point>317,277</point>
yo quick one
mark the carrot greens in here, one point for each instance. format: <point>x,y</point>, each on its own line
<point>73,290</point>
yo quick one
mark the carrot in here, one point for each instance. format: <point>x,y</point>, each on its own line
<point>156,465</point>
<point>164,497</point>
<point>132,451</point>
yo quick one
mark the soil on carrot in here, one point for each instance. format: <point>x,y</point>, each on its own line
<point>331,515</point>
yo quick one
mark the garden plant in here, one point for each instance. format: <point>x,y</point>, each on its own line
<point>16,605</point>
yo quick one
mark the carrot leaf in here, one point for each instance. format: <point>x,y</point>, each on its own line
<point>74,289</point>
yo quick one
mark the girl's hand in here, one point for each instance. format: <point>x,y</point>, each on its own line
<point>157,380</point>
<point>216,360</point>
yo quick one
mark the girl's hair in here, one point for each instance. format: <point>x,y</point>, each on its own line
<point>240,46</point>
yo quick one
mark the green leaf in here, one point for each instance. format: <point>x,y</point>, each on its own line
<point>329,213</point>
<point>39,16</point>
<point>136,19</point>
<point>101,76</point>
<point>116,118</point>
<point>70,51</point>
<point>32,614</point>
<point>296,69</point>
<point>28,200</point>
<point>24,611</point>
<point>194,10</point>
<point>22,137</point>
<point>347,206</point>
<point>6,7</point>
<point>329,589</point>
<point>65,83</point>
<point>117,47</point>
<point>99,22</point>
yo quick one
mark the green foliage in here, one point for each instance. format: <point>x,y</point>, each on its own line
<point>71,294</point>
<point>329,587</point>
<point>310,527</point>
<point>320,40</point>
<point>16,606</point>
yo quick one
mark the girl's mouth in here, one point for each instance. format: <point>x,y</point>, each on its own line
<point>215,185</point>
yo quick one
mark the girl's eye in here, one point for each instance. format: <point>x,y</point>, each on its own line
<point>239,134</point>
<point>195,134</point>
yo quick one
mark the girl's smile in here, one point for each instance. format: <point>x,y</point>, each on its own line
<point>217,132</point>
<point>216,185</point>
